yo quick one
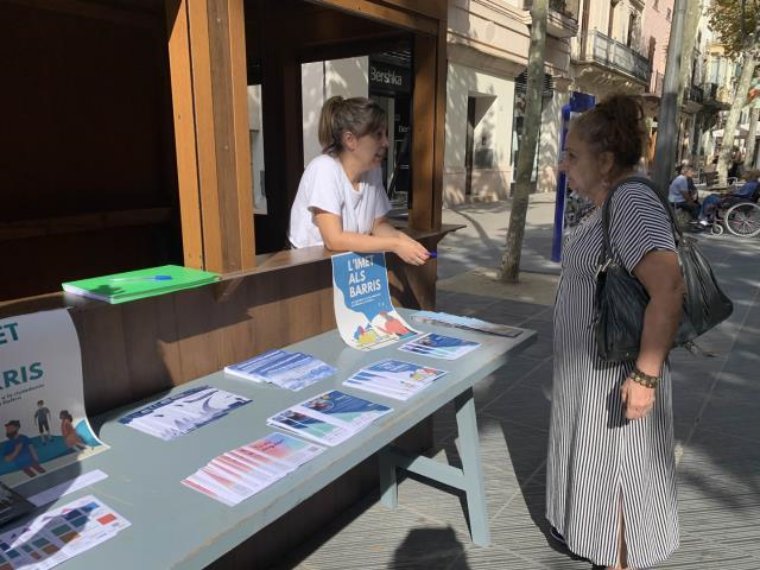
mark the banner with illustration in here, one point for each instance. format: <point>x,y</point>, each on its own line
<point>41,397</point>
<point>363,310</point>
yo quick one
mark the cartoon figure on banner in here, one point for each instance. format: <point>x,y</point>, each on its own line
<point>19,450</point>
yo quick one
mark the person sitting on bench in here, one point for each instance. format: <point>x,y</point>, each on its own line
<point>683,194</point>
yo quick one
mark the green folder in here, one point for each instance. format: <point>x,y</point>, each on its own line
<point>141,283</point>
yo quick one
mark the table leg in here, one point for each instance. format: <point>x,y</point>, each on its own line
<point>388,480</point>
<point>469,450</point>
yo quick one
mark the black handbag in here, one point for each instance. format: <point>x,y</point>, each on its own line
<point>620,298</point>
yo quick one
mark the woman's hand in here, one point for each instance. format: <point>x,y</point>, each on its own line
<point>638,400</point>
<point>411,251</point>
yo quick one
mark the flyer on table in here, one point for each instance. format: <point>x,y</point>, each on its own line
<point>363,309</point>
<point>41,397</point>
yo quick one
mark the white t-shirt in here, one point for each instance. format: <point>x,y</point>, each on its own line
<point>325,186</point>
<point>677,187</point>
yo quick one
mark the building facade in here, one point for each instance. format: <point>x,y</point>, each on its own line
<point>488,44</point>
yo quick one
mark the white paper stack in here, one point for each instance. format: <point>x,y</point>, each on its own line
<point>181,413</point>
<point>466,323</point>
<point>241,473</point>
<point>290,370</point>
<point>60,534</point>
<point>394,378</point>
<point>440,346</point>
<point>330,418</point>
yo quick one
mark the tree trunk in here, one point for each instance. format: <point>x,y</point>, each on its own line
<point>740,97</point>
<point>689,38</point>
<point>754,117</point>
<point>510,261</point>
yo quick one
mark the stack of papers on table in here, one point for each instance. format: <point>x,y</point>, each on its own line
<point>465,323</point>
<point>394,378</point>
<point>181,413</point>
<point>291,370</point>
<point>440,346</point>
<point>330,418</point>
<point>60,534</point>
<point>141,283</point>
<point>241,473</point>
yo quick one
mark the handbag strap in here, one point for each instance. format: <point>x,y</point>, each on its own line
<point>606,254</point>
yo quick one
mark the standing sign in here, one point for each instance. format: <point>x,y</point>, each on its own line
<point>41,397</point>
<point>363,309</point>
<point>579,102</point>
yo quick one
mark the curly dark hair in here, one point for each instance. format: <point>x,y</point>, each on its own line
<point>616,125</point>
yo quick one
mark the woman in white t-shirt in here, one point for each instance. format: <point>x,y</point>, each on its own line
<point>341,201</point>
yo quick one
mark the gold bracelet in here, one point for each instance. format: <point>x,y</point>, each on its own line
<point>644,379</point>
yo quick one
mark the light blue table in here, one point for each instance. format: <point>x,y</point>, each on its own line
<point>175,527</point>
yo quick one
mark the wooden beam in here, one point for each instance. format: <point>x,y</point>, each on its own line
<point>423,131</point>
<point>226,33</point>
<point>81,223</point>
<point>212,133</point>
<point>404,17</point>
<point>184,132</point>
<point>133,16</point>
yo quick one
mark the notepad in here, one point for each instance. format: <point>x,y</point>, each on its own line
<point>140,283</point>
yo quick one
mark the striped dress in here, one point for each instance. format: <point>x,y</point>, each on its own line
<point>597,460</point>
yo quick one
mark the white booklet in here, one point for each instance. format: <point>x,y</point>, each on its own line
<point>181,413</point>
<point>241,473</point>
<point>440,346</point>
<point>290,370</point>
<point>330,418</point>
<point>394,378</point>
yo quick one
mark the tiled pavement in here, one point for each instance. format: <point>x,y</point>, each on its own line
<point>717,415</point>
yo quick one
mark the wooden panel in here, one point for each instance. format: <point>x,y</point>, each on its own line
<point>423,131</point>
<point>83,223</point>
<point>93,10</point>
<point>184,132</point>
<point>388,14</point>
<point>205,136</point>
<point>243,178</point>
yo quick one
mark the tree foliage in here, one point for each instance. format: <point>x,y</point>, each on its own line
<point>726,21</point>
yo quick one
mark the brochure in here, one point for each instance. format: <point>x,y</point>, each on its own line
<point>363,310</point>
<point>60,534</point>
<point>140,283</point>
<point>241,473</point>
<point>440,346</point>
<point>290,370</point>
<point>182,413</point>
<point>466,323</point>
<point>394,378</point>
<point>330,418</point>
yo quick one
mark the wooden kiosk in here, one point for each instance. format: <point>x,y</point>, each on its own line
<point>126,146</point>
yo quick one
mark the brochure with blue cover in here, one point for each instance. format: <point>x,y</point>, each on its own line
<point>394,378</point>
<point>290,370</point>
<point>329,418</point>
<point>176,415</point>
<point>440,346</point>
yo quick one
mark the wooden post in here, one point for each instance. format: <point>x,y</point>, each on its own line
<point>211,130</point>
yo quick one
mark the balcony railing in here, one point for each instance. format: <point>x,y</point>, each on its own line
<point>611,53</point>
<point>567,8</point>
<point>694,93</point>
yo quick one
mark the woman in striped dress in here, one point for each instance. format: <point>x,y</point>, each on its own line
<point>611,492</point>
